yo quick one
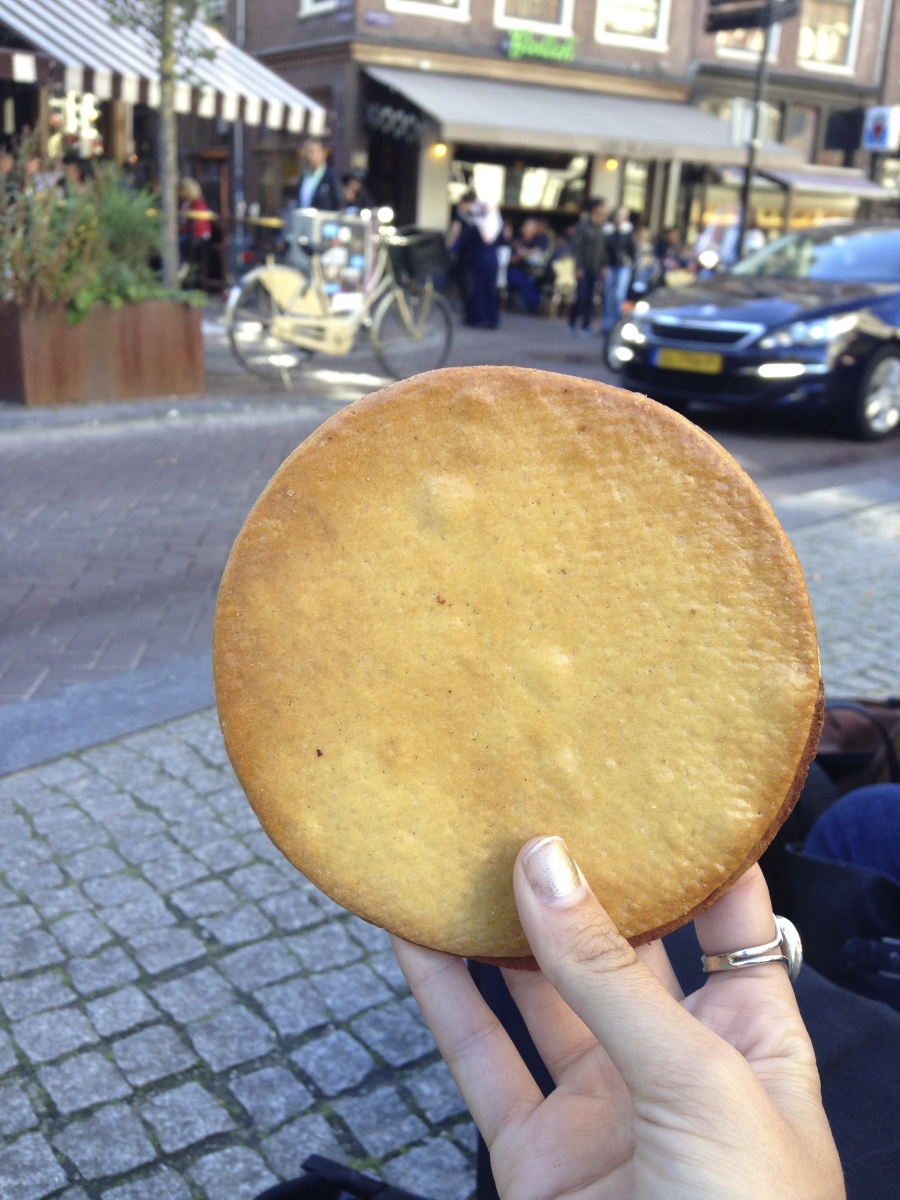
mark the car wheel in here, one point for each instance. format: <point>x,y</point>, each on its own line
<point>876,412</point>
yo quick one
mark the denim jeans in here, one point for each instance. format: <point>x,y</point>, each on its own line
<point>615,291</point>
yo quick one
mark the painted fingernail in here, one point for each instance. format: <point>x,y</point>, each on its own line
<point>551,870</point>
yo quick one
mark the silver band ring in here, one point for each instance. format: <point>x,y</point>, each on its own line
<point>786,949</point>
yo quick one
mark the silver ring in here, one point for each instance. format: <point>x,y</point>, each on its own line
<point>786,949</point>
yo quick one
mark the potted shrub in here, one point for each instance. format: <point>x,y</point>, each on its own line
<point>83,315</point>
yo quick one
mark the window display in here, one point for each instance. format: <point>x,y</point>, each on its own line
<point>826,33</point>
<point>642,23</point>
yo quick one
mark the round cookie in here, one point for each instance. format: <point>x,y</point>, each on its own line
<point>486,604</point>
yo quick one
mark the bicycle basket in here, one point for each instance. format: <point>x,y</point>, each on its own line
<point>417,256</point>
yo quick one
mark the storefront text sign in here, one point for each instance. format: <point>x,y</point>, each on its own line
<point>523,44</point>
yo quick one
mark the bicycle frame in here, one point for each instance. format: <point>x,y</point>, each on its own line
<point>304,318</point>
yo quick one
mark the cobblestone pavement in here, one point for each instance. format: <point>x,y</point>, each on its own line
<point>183,1014</point>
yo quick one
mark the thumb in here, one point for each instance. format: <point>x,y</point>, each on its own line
<point>653,1042</point>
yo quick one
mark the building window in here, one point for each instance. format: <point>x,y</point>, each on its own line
<point>745,45</point>
<point>643,24</point>
<point>799,129</point>
<point>312,8</point>
<point>538,16</point>
<point>444,10</point>
<point>828,34</point>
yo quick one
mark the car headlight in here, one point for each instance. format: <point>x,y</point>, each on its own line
<point>811,333</point>
<point>641,307</point>
<point>632,333</point>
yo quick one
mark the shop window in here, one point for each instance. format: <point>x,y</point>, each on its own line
<point>828,34</point>
<point>643,24</point>
<point>634,186</point>
<point>799,129</point>
<point>443,10</point>
<point>746,45</point>
<point>538,16</point>
<point>312,8</point>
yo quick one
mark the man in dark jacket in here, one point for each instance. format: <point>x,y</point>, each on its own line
<point>319,186</point>
<point>621,253</point>
<point>589,247</point>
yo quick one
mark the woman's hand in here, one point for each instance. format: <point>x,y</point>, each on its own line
<point>658,1096</point>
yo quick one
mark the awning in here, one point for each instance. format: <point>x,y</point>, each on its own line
<point>93,55</point>
<point>528,116</point>
<point>834,180</point>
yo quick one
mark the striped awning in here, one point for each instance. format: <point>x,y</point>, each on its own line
<point>75,43</point>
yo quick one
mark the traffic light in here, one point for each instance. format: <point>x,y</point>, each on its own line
<point>748,14</point>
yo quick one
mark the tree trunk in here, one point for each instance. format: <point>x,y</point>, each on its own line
<point>168,146</point>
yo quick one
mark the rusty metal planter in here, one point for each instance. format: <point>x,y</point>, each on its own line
<point>131,353</point>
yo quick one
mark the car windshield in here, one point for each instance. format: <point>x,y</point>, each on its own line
<point>837,255</point>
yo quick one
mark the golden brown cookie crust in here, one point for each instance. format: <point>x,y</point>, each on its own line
<point>489,603</point>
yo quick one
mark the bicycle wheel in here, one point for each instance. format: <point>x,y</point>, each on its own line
<point>412,332</point>
<point>254,344</point>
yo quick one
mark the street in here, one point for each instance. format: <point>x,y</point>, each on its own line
<point>183,1014</point>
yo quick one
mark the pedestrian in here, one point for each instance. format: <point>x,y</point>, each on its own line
<point>473,240</point>
<point>620,255</point>
<point>589,245</point>
<point>648,270</point>
<point>356,194</point>
<point>194,226</point>
<point>319,184</point>
<point>528,263</point>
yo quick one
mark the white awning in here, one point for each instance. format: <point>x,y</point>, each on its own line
<point>525,116</point>
<point>834,180</point>
<point>94,55</point>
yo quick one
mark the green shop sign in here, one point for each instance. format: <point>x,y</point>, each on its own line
<point>523,44</point>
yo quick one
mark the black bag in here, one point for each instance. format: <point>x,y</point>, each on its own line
<point>325,1179</point>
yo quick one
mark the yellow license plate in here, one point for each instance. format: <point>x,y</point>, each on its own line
<point>689,360</point>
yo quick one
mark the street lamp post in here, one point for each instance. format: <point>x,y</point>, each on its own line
<point>755,144</point>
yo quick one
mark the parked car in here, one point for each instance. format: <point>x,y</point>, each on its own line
<point>809,322</point>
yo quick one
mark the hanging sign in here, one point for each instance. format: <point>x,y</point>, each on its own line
<point>881,129</point>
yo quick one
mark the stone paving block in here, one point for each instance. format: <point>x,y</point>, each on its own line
<point>23,854</point>
<point>14,829</point>
<point>18,918</point>
<point>205,899</point>
<point>293,1008</point>
<point>57,902</point>
<point>83,1081</point>
<point>436,1093</point>
<point>436,1169</point>
<point>158,950</point>
<point>63,770</point>
<point>6,896</point>
<point>137,917</point>
<point>292,911</point>
<point>380,1121</point>
<point>8,1058</point>
<point>137,823</point>
<point>243,820</point>
<point>245,924</point>
<point>389,969</point>
<point>29,1170</point>
<point>163,1184</point>
<point>140,850</point>
<point>16,1113</point>
<point>327,946</point>
<point>23,997</point>
<point>152,1054</point>
<point>90,863</point>
<point>224,855</point>
<point>185,1116</point>
<point>375,940</point>
<point>120,1011</point>
<point>110,968</point>
<point>174,871</point>
<point>35,877</point>
<point>110,1142</point>
<point>49,1035</point>
<point>194,996</point>
<point>270,1096</point>
<point>81,933</point>
<point>286,1149</point>
<point>334,1062</point>
<point>206,780</point>
<point>257,965</point>
<point>115,891</point>
<point>328,906</point>
<point>351,989</point>
<point>466,1135</point>
<point>258,881</point>
<point>399,1036</point>
<point>191,834</point>
<point>58,818</point>
<point>233,1174</point>
<point>68,838</point>
<point>261,847</point>
<point>172,799</point>
<point>231,1037</point>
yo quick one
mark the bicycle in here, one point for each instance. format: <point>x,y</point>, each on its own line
<point>278,316</point>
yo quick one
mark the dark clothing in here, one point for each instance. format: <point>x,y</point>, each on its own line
<point>862,828</point>
<point>329,193</point>
<point>519,279</point>
<point>477,267</point>
<point>620,248</point>
<point>589,245</point>
<point>583,305</point>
